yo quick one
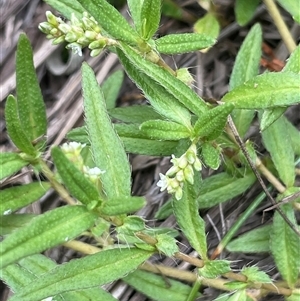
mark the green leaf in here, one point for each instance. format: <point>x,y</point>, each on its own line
<point>292,6</point>
<point>45,231</point>
<point>111,88</point>
<point>87,272</point>
<point>15,129</point>
<point>107,149</point>
<point>14,198</point>
<point>156,287</point>
<point>284,246</point>
<point>279,145</point>
<point>164,130</point>
<point>240,295</point>
<point>222,187</point>
<point>31,267</point>
<point>208,25</point>
<point>159,98</point>
<point>31,105</point>
<point>214,268</point>
<point>150,17</point>
<point>134,114</point>
<point>184,42</point>
<point>211,156</point>
<point>211,124</point>
<point>244,10</point>
<point>214,190</point>
<point>10,163</point>
<point>123,205</point>
<point>11,222</point>
<point>254,241</point>
<point>134,141</point>
<point>166,244</point>
<point>78,185</point>
<point>269,116</point>
<point>135,7</point>
<point>293,62</point>
<point>294,134</point>
<point>254,275</point>
<point>67,7</point>
<point>189,220</point>
<point>294,296</point>
<point>246,66</point>
<point>110,20</point>
<point>267,90</point>
<point>174,86</point>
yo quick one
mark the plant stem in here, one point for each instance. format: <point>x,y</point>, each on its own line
<point>55,184</point>
<point>281,26</point>
<point>81,247</point>
<point>269,176</point>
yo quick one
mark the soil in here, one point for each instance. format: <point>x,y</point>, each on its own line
<point>211,70</point>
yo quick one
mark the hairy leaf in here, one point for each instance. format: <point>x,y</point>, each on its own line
<point>107,148</point>
<point>244,10</point>
<point>182,43</point>
<point>45,231</point>
<point>267,90</point>
<point>67,7</point>
<point>31,105</point>
<point>10,163</point>
<point>14,198</point>
<point>87,272</point>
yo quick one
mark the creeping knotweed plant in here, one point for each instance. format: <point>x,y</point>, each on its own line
<point>181,171</point>
<point>92,176</point>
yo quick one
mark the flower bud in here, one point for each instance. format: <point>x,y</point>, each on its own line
<point>178,193</point>
<point>95,52</point>
<point>189,174</point>
<point>51,18</point>
<point>180,176</point>
<point>59,40</point>
<point>65,28</point>
<point>197,164</point>
<point>99,44</point>
<point>45,27</point>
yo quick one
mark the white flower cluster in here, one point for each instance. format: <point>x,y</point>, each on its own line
<point>78,34</point>
<point>182,170</point>
<point>72,151</point>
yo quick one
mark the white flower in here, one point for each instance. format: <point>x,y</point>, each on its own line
<point>163,182</point>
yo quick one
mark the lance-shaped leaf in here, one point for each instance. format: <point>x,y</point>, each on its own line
<point>67,7</point>
<point>268,90</point>
<point>87,272</point>
<point>31,105</point>
<point>279,145</point>
<point>182,43</point>
<point>14,198</point>
<point>15,128</point>
<point>294,134</point>
<point>284,244</point>
<point>150,17</point>
<point>254,241</point>
<point>246,66</point>
<point>189,220</point>
<point>11,222</point>
<point>28,269</point>
<point>134,114</point>
<point>46,231</point>
<point>111,88</point>
<point>159,98</point>
<point>253,274</point>
<point>156,287</point>
<point>223,187</point>
<point>164,130</point>
<point>107,148</point>
<point>79,186</point>
<point>173,85</point>
<point>135,7</point>
<point>211,124</point>
<point>110,20</point>
<point>244,10</point>
<point>123,205</point>
<point>133,139</point>
<point>293,62</point>
<point>10,163</point>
